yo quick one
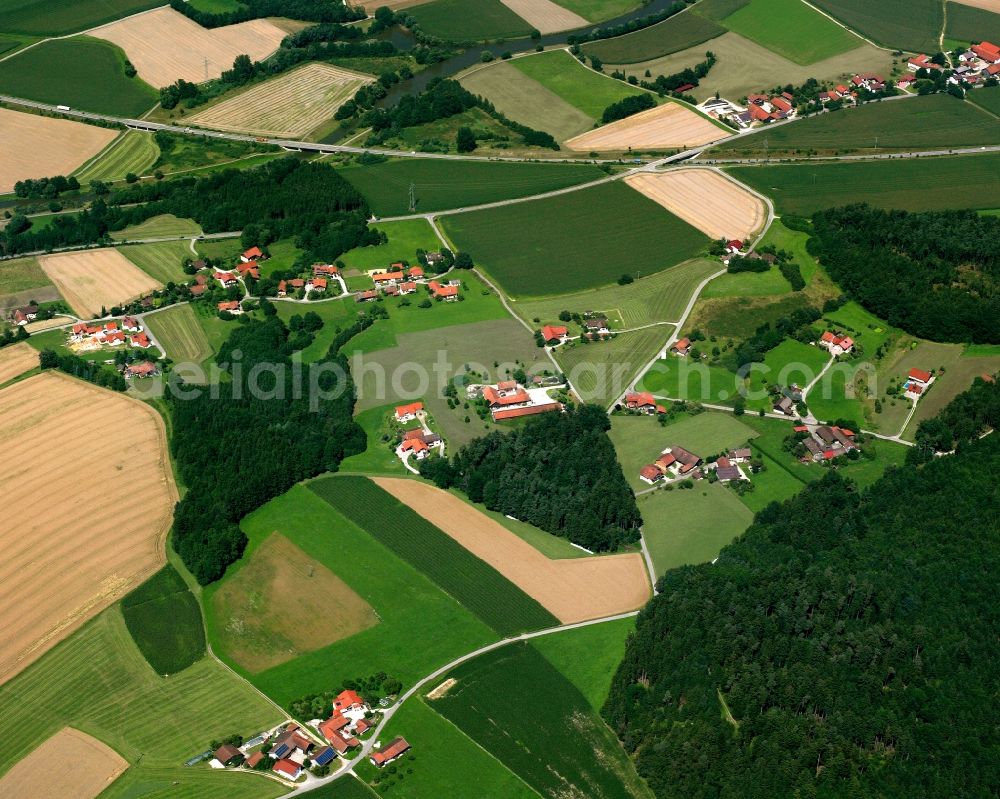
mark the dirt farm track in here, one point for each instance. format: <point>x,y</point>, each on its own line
<point>573,590</point>
<point>86,768</point>
<point>88,498</point>
<point>34,145</point>
<point>665,127</point>
<point>717,206</point>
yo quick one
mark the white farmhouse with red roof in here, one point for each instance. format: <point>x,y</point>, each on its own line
<point>917,382</point>
<point>836,344</point>
<point>508,399</point>
<point>406,413</point>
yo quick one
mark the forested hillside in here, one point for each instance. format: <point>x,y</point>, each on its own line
<point>845,646</point>
<point>933,274</point>
<point>559,472</point>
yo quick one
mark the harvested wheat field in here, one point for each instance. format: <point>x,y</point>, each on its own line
<point>281,582</point>
<point>545,16</point>
<point>292,104</point>
<point>16,360</point>
<point>715,204</point>
<point>988,5</point>
<point>69,765</point>
<point>41,325</point>
<point>88,501</point>
<point>573,589</point>
<point>35,146</point>
<point>91,279</point>
<point>164,45</point>
<point>665,127</point>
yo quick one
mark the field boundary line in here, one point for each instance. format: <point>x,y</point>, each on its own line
<point>95,158</point>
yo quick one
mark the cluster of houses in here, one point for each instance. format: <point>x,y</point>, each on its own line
<point>825,442</point>
<point>293,748</point>
<point>975,66</point>
<point>593,328</point>
<point>677,463</point>
<point>417,442</point>
<point>508,399</point>
<point>86,336</point>
<point>400,279</point>
<point>318,283</point>
<point>836,344</point>
<point>643,402</point>
<point>917,382</point>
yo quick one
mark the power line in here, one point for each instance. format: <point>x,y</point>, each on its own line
<point>413,198</point>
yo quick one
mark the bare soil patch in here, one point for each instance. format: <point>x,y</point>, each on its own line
<point>290,105</point>
<point>667,126</point>
<point>69,765</point>
<point>716,205</point>
<point>989,5</point>
<point>283,603</point>
<point>92,279</point>
<point>16,360</point>
<point>37,146</point>
<point>546,16</point>
<point>572,589</point>
<point>442,689</point>
<point>165,45</point>
<point>88,497</point>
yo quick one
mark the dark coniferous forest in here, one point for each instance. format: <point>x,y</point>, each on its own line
<point>934,274</point>
<point>242,449</point>
<point>845,647</point>
<point>559,472</point>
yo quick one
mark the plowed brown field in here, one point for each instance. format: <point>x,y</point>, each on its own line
<point>16,360</point>
<point>573,590</point>
<point>88,497</point>
<point>290,105</point>
<point>716,205</point>
<point>164,45</point>
<point>69,765</point>
<point>92,279</point>
<point>545,16</point>
<point>665,127</point>
<point>37,146</point>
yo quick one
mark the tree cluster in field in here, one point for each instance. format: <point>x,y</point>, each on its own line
<point>669,84</point>
<point>788,268</point>
<point>933,274</point>
<point>287,197</point>
<point>11,335</point>
<point>844,646</point>
<point>305,10</point>
<point>962,422</point>
<point>611,31</point>
<point>242,448</point>
<point>90,371</point>
<point>45,188</point>
<point>559,472</point>
<point>796,325</point>
<point>628,106</point>
<point>443,98</point>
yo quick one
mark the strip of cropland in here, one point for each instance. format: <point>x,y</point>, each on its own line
<point>80,72</point>
<point>743,66</point>
<point>177,329</point>
<point>59,17</point>
<point>670,36</point>
<point>673,125</point>
<point>411,609</point>
<point>442,185</point>
<point>907,24</point>
<point>970,24</point>
<point>95,279</point>
<point>15,360</point>
<point>95,766</point>
<point>478,586</point>
<point>469,20</point>
<point>526,730</point>
<point>792,29</point>
<point>290,105</point>
<point>124,436</point>
<point>572,589</point>
<point>133,151</point>
<point>914,184</point>
<point>916,123</point>
<point>545,16</point>
<point>574,241</point>
<point>36,146</point>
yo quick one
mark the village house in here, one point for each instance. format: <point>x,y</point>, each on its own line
<point>836,344</point>
<point>734,246</point>
<point>325,270</point>
<point>415,272</point>
<point>448,293</point>
<point>597,326</point>
<point>725,470</point>
<point>113,339</point>
<point>26,314</point>
<point>650,474</point>
<point>407,287</point>
<point>282,288</point>
<point>396,748</point>
<point>392,291</point>
<point>434,258</point>
<point>405,413</point>
<point>131,324</point>
<point>683,462</point>
<point>228,755</point>
<point>316,284</point>
<point>555,333</point>
<point>197,289</point>
<point>290,744</point>
<point>916,383</point>
<point>741,455</point>
<point>366,296</point>
<point>140,340</point>
<point>415,446</point>
<point>784,405</point>
<point>510,400</point>
<point>254,759</point>
<point>232,306</point>
<point>643,402</point>
<point>387,278</point>
<point>140,369</point>
<point>226,279</point>
<point>681,348</point>
<point>287,768</point>
<point>253,254</point>
<point>919,62</point>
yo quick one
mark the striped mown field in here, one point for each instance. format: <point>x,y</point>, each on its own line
<point>134,151</point>
<point>290,105</point>
<point>162,260</point>
<point>177,329</point>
